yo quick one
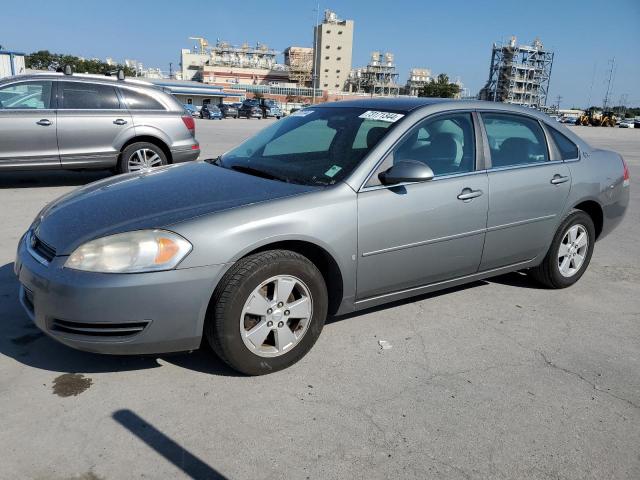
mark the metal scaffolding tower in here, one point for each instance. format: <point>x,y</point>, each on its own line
<point>379,77</point>
<point>519,74</point>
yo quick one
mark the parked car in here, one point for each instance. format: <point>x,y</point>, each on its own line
<point>53,121</point>
<point>193,111</point>
<point>250,109</point>
<point>211,112</point>
<point>627,123</point>
<point>334,209</point>
<point>228,110</point>
<point>270,108</point>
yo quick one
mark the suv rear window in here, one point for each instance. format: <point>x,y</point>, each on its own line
<point>88,96</point>
<point>140,101</point>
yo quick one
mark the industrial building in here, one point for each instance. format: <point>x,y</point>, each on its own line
<point>379,77</point>
<point>233,64</point>
<point>11,63</point>
<point>519,74</point>
<point>418,78</point>
<point>195,93</point>
<point>299,61</point>
<point>333,39</point>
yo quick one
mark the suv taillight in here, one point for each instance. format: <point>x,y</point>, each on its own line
<point>190,123</point>
<point>626,178</point>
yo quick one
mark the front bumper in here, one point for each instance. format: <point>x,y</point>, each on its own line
<point>142,313</point>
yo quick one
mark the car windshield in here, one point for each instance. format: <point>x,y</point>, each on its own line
<point>316,146</point>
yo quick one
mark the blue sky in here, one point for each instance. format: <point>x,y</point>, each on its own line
<point>454,37</point>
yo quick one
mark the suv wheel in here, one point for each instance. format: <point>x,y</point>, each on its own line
<point>141,156</point>
<point>267,312</point>
<point>570,252</point>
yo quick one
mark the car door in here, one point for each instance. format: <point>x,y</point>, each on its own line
<point>416,234</point>
<point>527,191</point>
<point>91,124</point>
<point>28,125</point>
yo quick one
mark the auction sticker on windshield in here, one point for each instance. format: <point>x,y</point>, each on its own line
<point>382,116</point>
<point>301,113</point>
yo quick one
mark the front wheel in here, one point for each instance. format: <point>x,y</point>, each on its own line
<point>141,156</point>
<point>569,254</point>
<point>267,312</point>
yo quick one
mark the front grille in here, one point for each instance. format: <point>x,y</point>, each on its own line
<point>28,298</point>
<point>98,329</point>
<point>45,251</point>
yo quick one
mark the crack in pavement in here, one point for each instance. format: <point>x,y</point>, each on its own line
<point>586,380</point>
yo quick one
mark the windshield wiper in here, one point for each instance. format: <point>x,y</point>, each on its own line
<point>215,161</point>
<point>258,173</point>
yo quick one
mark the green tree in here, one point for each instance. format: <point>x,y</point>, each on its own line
<point>440,88</point>
<point>45,60</point>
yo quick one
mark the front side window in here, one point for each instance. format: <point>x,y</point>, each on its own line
<point>568,150</point>
<point>514,140</point>
<point>27,96</point>
<point>315,146</point>
<point>445,143</point>
<point>87,96</point>
<point>140,101</point>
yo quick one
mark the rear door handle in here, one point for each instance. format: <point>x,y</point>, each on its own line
<point>44,122</point>
<point>468,194</point>
<point>120,121</point>
<point>558,179</point>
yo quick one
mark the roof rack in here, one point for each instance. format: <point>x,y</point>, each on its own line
<point>119,73</point>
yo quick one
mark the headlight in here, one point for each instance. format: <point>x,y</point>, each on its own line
<point>131,252</point>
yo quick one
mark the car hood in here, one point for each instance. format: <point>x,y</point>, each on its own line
<point>154,199</point>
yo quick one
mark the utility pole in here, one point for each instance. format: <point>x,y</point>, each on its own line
<point>558,98</point>
<point>314,71</point>
<point>605,102</point>
<point>170,70</point>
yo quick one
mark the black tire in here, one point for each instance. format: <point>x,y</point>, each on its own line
<point>123,162</point>
<point>222,327</point>
<point>548,272</point>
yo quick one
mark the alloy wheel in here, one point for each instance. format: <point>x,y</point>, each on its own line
<point>276,316</point>
<point>143,159</point>
<point>573,250</point>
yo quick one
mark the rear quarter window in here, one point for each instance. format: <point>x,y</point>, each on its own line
<point>568,150</point>
<point>140,101</point>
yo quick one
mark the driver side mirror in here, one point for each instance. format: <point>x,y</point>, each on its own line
<point>406,171</point>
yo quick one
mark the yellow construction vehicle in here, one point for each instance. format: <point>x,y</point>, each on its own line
<point>597,118</point>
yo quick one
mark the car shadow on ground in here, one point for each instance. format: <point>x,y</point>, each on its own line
<point>51,178</point>
<point>21,340</point>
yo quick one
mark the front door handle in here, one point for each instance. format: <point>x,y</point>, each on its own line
<point>120,121</point>
<point>558,179</point>
<point>467,194</point>
<point>44,122</point>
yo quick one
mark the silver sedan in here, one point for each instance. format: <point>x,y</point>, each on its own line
<point>334,209</point>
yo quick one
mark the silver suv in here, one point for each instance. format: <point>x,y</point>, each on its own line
<point>53,120</point>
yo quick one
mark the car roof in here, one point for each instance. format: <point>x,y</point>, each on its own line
<point>81,77</point>
<point>409,104</point>
<point>404,104</point>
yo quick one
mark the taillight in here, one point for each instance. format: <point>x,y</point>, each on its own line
<point>626,178</point>
<point>190,123</point>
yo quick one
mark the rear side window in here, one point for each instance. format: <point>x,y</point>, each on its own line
<point>514,140</point>
<point>87,96</point>
<point>568,150</point>
<point>140,101</point>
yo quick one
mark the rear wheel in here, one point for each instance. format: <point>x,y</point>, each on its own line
<point>267,312</point>
<point>141,156</point>
<point>569,254</point>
